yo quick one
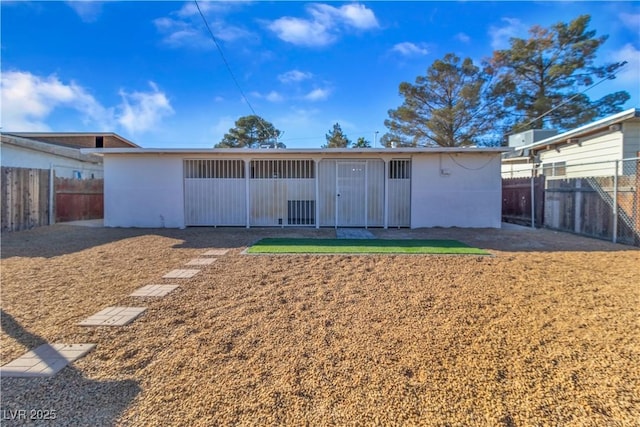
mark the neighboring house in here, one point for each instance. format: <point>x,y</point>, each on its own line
<point>20,152</point>
<point>79,139</point>
<point>409,187</point>
<point>585,181</point>
<point>575,153</point>
<point>47,179</point>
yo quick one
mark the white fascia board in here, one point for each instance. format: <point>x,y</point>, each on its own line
<point>300,151</point>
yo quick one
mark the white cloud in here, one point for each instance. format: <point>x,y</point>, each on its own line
<point>27,101</point>
<point>190,9</point>
<point>302,32</point>
<point>142,111</point>
<point>88,11</point>
<point>351,15</point>
<point>294,76</point>
<point>629,75</point>
<point>410,49</point>
<point>207,7</point>
<point>185,27</point>
<point>317,95</point>
<point>325,24</point>
<point>272,96</point>
<point>464,38</point>
<point>500,36</point>
<point>359,16</point>
<point>179,34</point>
<point>631,20</point>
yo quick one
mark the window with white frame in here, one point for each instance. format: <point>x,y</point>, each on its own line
<point>554,169</point>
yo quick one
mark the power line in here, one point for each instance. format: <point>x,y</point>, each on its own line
<point>226,63</point>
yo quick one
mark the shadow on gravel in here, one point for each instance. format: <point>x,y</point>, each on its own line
<point>62,239</point>
<point>67,398</point>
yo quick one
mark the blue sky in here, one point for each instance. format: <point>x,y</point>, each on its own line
<point>150,72</point>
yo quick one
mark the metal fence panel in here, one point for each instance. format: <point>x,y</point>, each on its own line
<point>282,193</point>
<point>214,192</point>
<point>375,193</point>
<point>327,192</point>
<point>399,193</point>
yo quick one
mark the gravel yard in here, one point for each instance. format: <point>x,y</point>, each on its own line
<point>543,332</point>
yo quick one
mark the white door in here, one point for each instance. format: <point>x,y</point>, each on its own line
<point>351,207</point>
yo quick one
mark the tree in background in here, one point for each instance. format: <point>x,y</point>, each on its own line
<point>336,138</point>
<point>540,78</point>
<point>452,105</point>
<point>250,132</point>
<point>361,143</point>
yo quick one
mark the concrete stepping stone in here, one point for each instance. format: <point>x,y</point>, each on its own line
<point>180,274</point>
<point>201,261</point>
<point>153,290</point>
<point>113,316</point>
<point>353,233</point>
<point>45,361</point>
<point>216,252</point>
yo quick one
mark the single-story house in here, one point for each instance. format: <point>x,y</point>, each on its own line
<point>404,187</point>
<point>589,150</point>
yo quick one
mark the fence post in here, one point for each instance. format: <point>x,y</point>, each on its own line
<point>615,203</point>
<point>533,204</point>
<point>52,196</point>
<point>247,189</point>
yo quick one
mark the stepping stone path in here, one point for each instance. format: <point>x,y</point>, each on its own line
<point>201,261</point>
<point>154,290</point>
<point>216,252</point>
<point>45,361</point>
<point>113,316</point>
<point>49,359</point>
<point>181,274</point>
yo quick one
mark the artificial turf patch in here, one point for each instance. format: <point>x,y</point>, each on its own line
<point>361,246</point>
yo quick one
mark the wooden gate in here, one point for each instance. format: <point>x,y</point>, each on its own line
<point>516,200</point>
<point>78,199</point>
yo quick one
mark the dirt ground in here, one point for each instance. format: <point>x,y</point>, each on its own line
<point>543,332</point>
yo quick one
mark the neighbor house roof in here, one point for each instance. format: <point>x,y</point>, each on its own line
<point>51,137</point>
<point>583,131</point>
<point>44,147</point>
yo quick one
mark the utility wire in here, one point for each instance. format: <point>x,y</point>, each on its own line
<point>226,63</point>
<point>609,77</point>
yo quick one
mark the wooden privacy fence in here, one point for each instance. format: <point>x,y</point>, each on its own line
<point>606,207</point>
<point>78,199</point>
<point>25,198</point>
<point>516,200</point>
